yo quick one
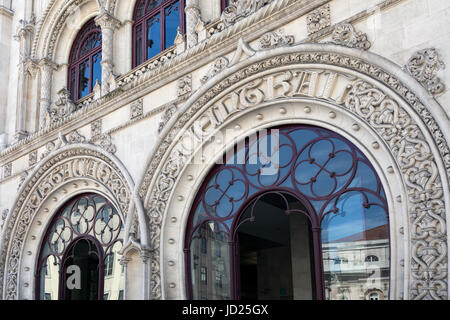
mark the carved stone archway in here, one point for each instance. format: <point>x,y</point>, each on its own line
<point>71,170</point>
<point>360,95</point>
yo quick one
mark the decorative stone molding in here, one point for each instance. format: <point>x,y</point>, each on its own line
<point>171,109</point>
<point>374,106</point>
<point>275,39</point>
<point>32,158</point>
<point>184,85</point>
<point>96,128</point>
<point>105,142</point>
<point>318,19</point>
<point>22,178</point>
<point>423,66</point>
<point>136,109</point>
<point>3,218</point>
<point>240,9</point>
<point>7,170</point>
<point>219,64</point>
<point>71,138</point>
<point>73,163</point>
<point>61,108</point>
<point>344,34</point>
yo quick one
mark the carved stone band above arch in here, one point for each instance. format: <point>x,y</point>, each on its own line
<point>373,90</point>
<point>72,169</point>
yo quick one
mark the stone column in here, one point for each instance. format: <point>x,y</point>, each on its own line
<point>24,37</point>
<point>47,67</point>
<point>192,11</point>
<point>107,23</point>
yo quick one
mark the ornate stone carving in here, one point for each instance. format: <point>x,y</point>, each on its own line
<point>423,66</point>
<point>32,158</point>
<point>68,165</point>
<point>275,39</point>
<point>344,34</point>
<point>22,178</point>
<point>105,143</point>
<point>218,65</point>
<point>374,106</point>
<point>73,137</point>
<point>318,19</point>
<point>4,216</point>
<point>96,128</point>
<point>61,108</point>
<point>168,114</point>
<point>136,109</point>
<point>184,85</point>
<point>7,170</point>
<point>192,11</point>
<point>240,9</point>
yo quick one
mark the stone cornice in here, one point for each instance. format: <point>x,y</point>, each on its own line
<point>270,17</point>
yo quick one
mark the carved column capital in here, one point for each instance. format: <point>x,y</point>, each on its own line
<point>107,21</point>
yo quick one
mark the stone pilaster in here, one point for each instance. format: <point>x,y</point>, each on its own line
<point>108,23</point>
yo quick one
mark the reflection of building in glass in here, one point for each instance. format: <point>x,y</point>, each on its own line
<point>357,267</point>
<point>210,273</point>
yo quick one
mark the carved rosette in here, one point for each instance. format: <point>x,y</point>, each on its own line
<point>380,111</point>
<point>423,66</point>
<point>65,166</point>
<point>344,34</point>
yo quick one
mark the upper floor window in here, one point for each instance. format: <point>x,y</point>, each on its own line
<point>84,62</point>
<point>155,27</point>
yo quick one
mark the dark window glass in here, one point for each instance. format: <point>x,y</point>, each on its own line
<point>153,36</point>
<point>85,61</point>
<point>83,77</point>
<point>172,23</point>
<point>155,27</point>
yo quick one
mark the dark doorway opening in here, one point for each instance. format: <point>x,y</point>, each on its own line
<point>275,250</point>
<point>82,272</point>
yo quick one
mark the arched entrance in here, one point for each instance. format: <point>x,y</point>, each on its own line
<point>250,213</point>
<point>80,253</point>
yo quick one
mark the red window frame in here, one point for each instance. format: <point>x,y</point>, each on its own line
<point>142,22</point>
<point>76,59</point>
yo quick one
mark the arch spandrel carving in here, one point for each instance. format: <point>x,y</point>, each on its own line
<point>63,169</point>
<point>373,90</point>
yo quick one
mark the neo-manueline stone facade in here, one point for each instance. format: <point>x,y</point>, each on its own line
<point>372,71</point>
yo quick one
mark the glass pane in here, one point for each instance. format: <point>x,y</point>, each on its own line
<point>72,84</point>
<point>49,279</point>
<point>351,238</point>
<point>152,4</point>
<point>171,24</point>
<point>96,69</point>
<point>153,36</point>
<point>92,41</point>
<point>210,263</point>
<point>83,85</point>
<point>114,280</point>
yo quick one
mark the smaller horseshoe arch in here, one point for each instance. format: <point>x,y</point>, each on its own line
<point>80,253</point>
<point>316,173</point>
